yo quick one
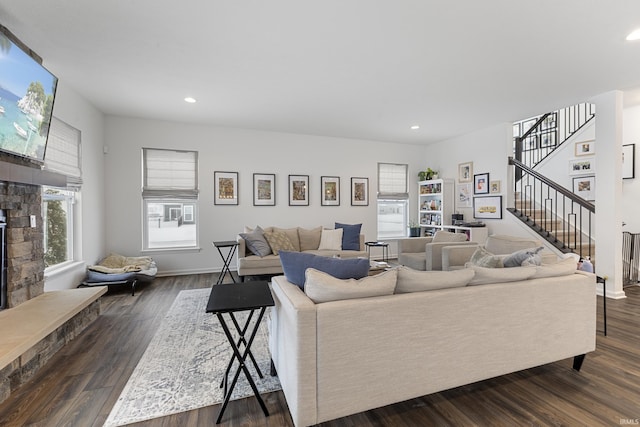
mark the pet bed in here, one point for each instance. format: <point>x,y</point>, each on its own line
<point>120,270</point>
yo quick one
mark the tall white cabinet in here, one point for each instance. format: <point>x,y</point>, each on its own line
<point>435,204</point>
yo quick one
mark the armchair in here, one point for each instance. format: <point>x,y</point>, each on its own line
<point>425,253</point>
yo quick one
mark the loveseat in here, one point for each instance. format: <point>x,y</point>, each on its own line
<point>349,245</point>
<point>345,356</point>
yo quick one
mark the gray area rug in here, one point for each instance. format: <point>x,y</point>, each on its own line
<point>182,367</point>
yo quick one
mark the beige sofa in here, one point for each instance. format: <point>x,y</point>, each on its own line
<point>303,240</point>
<point>455,257</point>
<point>342,357</point>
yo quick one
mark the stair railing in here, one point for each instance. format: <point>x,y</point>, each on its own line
<point>561,217</point>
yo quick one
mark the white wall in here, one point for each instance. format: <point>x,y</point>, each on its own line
<point>631,187</point>
<point>246,152</point>
<point>89,242</point>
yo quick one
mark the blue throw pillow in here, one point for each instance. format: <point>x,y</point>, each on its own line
<point>350,236</point>
<point>295,264</point>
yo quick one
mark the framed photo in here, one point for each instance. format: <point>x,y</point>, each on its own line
<point>481,183</point>
<point>298,190</point>
<point>582,166</point>
<point>629,161</point>
<point>226,188</point>
<point>549,122</point>
<point>264,189</point>
<point>465,195</point>
<point>527,125</point>
<point>494,187</point>
<point>465,172</point>
<point>547,139</point>
<point>529,143</point>
<point>584,148</point>
<point>359,191</point>
<point>489,207</point>
<point>585,187</point>
<point>330,188</point>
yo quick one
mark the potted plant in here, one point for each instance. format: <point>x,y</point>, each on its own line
<point>414,229</point>
<point>427,174</point>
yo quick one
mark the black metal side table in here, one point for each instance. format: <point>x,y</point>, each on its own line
<point>383,245</point>
<point>228,298</point>
<point>232,245</point>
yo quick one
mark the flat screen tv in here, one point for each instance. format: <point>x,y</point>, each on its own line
<point>27,91</point>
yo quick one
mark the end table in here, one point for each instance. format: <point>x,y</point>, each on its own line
<point>232,245</point>
<point>228,299</point>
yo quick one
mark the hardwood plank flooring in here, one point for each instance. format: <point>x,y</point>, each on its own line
<point>80,385</point>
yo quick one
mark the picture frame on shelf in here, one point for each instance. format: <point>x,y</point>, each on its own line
<point>264,189</point>
<point>582,166</point>
<point>464,197</point>
<point>465,172</point>
<point>359,191</point>
<point>487,207</point>
<point>481,183</point>
<point>298,190</point>
<point>585,187</point>
<point>225,187</point>
<point>330,190</point>
<point>628,161</point>
<point>494,187</point>
<point>585,148</point>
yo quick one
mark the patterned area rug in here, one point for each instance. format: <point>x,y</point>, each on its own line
<point>184,363</point>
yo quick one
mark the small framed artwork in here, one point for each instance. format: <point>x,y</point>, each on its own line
<point>582,166</point>
<point>465,172</point>
<point>464,199</point>
<point>494,187</point>
<point>585,148</point>
<point>529,143</point>
<point>547,139</point>
<point>264,189</point>
<point>226,188</point>
<point>489,207</point>
<point>481,183</point>
<point>629,161</point>
<point>359,191</point>
<point>330,188</point>
<point>585,187</point>
<point>298,190</point>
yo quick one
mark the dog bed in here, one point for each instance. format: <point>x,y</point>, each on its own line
<point>117,269</point>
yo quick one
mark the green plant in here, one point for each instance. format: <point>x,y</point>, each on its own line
<point>426,174</point>
<point>414,224</point>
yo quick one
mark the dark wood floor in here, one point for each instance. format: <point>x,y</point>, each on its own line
<point>80,385</point>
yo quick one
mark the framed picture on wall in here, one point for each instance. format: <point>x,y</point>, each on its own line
<point>582,166</point>
<point>494,187</point>
<point>298,190</point>
<point>489,207</point>
<point>629,161</point>
<point>585,148</point>
<point>330,188</point>
<point>481,183</point>
<point>264,189</point>
<point>585,187</point>
<point>225,186</point>
<point>359,191</point>
<point>465,172</point>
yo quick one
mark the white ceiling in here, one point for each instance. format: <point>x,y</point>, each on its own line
<point>364,69</point>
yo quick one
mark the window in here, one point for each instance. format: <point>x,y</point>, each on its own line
<point>393,197</point>
<point>170,196</point>
<point>58,204</point>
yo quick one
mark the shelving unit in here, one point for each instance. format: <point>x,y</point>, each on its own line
<point>435,204</point>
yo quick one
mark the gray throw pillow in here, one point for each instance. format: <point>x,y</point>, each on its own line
<point>524,258</point>
<point>256,242</point>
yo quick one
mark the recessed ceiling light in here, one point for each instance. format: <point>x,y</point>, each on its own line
<point>190,100</point>
<point>634,35</point>
<point>415,127</point>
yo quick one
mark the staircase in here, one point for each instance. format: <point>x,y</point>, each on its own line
<point>558,215</point>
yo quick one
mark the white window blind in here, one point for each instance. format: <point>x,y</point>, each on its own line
<point>169,173</point>
<point>392,181</point>
<point>63,153</point>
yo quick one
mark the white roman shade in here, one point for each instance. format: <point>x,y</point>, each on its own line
<point>169,174</point>
<point>392,181</point>
<point>64,152</point>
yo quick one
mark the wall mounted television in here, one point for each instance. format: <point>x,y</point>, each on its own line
<point>27,92</point>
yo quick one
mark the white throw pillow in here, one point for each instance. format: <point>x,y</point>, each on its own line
<point>485,275</point>
<point>322,287</point>
<point>331,240</point>
<point>410,280</point>
<point>561,268</point>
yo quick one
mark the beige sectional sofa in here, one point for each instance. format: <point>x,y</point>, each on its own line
<point>342,357</point>
<point>303,240</point>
